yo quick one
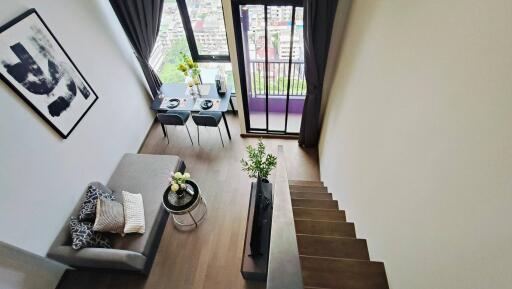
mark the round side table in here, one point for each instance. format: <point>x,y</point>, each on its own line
<point>188,209</point>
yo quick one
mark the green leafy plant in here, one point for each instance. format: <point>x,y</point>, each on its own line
<point>260,163</point>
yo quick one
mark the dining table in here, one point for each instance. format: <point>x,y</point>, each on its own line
<point>176,97</point>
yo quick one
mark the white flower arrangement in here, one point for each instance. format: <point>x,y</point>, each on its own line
<point>178,180</point>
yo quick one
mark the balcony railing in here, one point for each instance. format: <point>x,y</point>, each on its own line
<point>277,78</point>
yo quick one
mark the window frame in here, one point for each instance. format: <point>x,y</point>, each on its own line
<point>191,40</point>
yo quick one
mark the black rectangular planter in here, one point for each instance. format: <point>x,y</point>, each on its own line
<point>256,250</point>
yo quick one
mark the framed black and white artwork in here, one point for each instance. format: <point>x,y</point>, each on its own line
<point>38,69</point>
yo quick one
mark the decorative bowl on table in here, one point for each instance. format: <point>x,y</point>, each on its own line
<point>206,104</point>
<point>173,103</point>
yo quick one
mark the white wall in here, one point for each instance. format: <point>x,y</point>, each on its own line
<point>43,176</point>
<point>338,31</point>
<point>417,139</point>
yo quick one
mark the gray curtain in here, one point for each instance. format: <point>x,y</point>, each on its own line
<point>318,22</point>
<point>141,21</point>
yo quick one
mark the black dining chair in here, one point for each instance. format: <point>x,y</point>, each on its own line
<point>175,118</point>
<point>210,119</point>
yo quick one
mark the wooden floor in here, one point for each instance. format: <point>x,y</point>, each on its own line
<point>209,257</point>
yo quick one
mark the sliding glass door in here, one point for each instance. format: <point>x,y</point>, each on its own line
<point>271,59</point>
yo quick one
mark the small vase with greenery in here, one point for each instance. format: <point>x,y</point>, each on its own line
<point>179,183</point>
<point>260,163</point>
<point>191,71</point>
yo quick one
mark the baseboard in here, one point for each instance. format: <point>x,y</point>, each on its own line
<point>147,135</point>
<point>267,135</point>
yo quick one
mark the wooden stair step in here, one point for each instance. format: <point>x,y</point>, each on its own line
<point>318,214</point>
<point>314,204</point>
<point>306,183</point>
<point>308,189</point>
<point>315,196</point>
<point>343,273</point>
<point>334,247</point>
<point>325,228</point>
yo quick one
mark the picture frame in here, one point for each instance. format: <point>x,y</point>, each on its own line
<point>38,69</point>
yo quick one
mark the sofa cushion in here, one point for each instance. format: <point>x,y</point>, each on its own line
<point>109,216</point>
<point>147,175</point>
<point>83,236</point>
<point>88,208</point>
<point>134,213</point>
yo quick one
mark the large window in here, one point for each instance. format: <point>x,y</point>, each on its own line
<point>195,27</point>
<point>171,41</point>
<point>204,26</point>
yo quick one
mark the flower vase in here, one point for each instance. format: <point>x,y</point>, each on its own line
<point>189,81</point>
<point>198,90</point>
<point>192,91</point>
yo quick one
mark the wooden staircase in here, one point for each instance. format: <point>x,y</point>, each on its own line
<point>330,254</point>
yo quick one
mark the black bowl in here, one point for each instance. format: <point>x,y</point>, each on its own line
<point>206,104</point>
<point>173,103</point>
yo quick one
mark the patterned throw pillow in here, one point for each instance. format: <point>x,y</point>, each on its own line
<point>88,208</point>
<point>109,216</point>
<point>83,236</point>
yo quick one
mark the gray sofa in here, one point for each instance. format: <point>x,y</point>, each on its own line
<point>135,173</point>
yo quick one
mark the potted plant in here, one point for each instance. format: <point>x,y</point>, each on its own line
<point>191,71</point>
<point>260,163</point>
<point>179,183</point>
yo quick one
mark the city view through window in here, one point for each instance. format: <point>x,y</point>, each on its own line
<point>279,44</point>
<point>207,23</point>
<point>273,46</point>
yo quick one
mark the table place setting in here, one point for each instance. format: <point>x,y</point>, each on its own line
<point>173,102</point>
<point>207,103</point>
<point>198,103</point>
